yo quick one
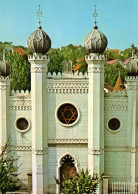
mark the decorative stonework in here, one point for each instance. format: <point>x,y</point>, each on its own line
<point>95,69</point>
<point>68,87</point>
<point>4,87</point>
<point>40,152</point>
<point>67,141</point>
<point>18,148</point>
<point>26,148</point>
<point>94,152</point>
<point>38,69</point>
<point>132,87</point>
<point>121,149</point>
<point>115,105</point>
<point>20,104</point>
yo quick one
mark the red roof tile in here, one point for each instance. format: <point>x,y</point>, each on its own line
<point>19,51</point>
<point>127,61</point>
<point>113,61</point>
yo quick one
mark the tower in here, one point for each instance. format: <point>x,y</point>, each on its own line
<point>39,43</point>
<point>5,70</point>
<point>95,42</point>
<point>132,91</point>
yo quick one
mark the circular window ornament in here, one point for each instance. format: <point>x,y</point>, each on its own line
<point>22,124</point>
<point>114,124</point>
<point>67,114</point>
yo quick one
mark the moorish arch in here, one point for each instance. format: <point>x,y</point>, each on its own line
<point>67,166</point>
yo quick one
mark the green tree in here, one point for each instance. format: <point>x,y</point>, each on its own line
<point>112,72</point>
<point>21,77</point>
<point>81,183</point>
<point>8,170</point>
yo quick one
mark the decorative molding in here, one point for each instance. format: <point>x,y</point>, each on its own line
<point>20,104</point>
<point>95,69</point>
<point>38,69</point>
<point>95,152</point>
<point>132,87</point>
<point>26,148</point>
<point>115,105</point>
<point>67,141</point>
<point>17,148</point>
<point>67,87</point>
<point>4,87</point>
<point>40,152</point>
<point>121,149</point>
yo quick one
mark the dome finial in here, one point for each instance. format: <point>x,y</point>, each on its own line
<point>132,53</point>
<point>4,57</point>
<point>39,14</point>
<point>95,15</point>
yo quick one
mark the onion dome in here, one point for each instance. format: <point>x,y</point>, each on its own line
<point>39,42</point>
<point>95,41</point>
<point>5,68</point>
<point>132,68</point>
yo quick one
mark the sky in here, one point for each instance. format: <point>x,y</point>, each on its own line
<point>69,21</point>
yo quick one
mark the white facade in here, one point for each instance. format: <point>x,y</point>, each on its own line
<point>89,141</point>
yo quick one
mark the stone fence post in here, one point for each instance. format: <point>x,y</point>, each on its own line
<point>105,184</point>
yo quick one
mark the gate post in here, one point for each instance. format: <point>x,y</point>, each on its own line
<point>105,184</point>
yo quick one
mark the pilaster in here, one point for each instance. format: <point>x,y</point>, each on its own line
<point>39,123</point>
<point>132,91</point>
<point>96,114</point>
<point>4,109</point>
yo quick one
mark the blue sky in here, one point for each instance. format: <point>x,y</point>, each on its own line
<point>69,21</point>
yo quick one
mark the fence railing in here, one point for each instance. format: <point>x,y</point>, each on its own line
<point>124,188</point>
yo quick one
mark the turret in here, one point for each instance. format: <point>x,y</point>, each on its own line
<point>5,70</point>
<point>96,42</point>
<point>132,92</point>
<point>39,43</point>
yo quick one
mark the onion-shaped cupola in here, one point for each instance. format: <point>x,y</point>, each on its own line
<point>132,67</point>
<point>95,41</point>
<point>5,67</point>
<point>39,42</point>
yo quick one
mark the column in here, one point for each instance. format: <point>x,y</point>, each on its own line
<point>96,114</point>
<point>39,123</point>
<point>132,91</point>
<point>4,109</point>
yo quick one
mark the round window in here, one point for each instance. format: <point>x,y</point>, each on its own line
<point>22,124</point>
<point>114,124</point>
<point>67,114</point>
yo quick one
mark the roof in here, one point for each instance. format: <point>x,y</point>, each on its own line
<point>112,61</point>
<point>108,87</point>
<point>19,51</point>
<point>119,86</point>
<point>114,50</point>
<point>127,61</point>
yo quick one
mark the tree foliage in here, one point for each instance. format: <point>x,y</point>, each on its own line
<point>8,170</point>
<point>21,77</point>
<point>112,72</point>
<point>81,183</point>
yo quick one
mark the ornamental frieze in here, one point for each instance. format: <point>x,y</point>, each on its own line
<point>38,69</point>
<point>20,104</point>
<point>67,87</point>
<point>95,69</point>
<point>115,105</point>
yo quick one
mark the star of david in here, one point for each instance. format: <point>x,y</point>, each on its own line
<point>68,114</point>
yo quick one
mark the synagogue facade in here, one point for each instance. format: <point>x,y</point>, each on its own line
<point>69,122</point>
